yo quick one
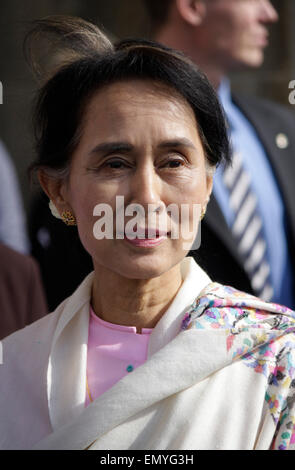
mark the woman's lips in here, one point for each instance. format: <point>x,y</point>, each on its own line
<point>146,238</point>
<point>146,242</point>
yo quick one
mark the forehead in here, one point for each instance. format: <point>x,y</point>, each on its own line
<point>140,113</point>
<point>126,100</point>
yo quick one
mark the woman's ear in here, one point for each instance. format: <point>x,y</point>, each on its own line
<point>55,190</point>
<point>209,179</point>
<point>209,185</point>
<point>191,11</point>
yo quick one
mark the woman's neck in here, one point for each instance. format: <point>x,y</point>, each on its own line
<point>133,302</point>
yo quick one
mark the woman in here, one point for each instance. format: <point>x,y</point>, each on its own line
<point>148,353</point>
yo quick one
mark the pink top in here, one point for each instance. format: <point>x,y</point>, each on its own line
<point>113,352</point>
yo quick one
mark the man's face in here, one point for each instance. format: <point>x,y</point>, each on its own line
<point>234,32</point>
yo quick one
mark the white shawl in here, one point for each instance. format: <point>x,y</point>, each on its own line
<point>189,394</point>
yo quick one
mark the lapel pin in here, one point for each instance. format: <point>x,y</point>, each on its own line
<point>282,141</point>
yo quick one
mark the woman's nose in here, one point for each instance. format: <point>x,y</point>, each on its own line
<point>146,188</point>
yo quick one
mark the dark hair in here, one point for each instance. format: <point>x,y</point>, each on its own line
<point>158,11</point>
<point>62,100</point>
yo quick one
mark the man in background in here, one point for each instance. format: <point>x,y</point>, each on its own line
<point>13,230</point>
<point>22,296</point>
<point>249,228</point>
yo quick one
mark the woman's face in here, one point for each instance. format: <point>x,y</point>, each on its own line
<point>141,143</point>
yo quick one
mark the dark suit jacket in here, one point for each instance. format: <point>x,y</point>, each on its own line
<point>218,252</point>
<point>22,298</point>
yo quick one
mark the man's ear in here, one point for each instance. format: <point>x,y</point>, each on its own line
<point>55,189</point>
<point>191,11</point>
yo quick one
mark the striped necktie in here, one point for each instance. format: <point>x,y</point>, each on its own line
<point>247,227</point>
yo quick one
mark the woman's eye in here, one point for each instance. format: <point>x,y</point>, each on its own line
<point>110,165</point>
<point>173,163</point>
<point>115,164</point>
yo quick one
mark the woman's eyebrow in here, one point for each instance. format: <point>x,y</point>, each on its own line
<point>110,147</point>
<point>182,142</point>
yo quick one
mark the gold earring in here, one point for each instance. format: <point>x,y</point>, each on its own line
<point>68,218</point>
<point>203,213</point>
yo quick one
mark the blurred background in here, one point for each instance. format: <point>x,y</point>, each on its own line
<point>120,18</point>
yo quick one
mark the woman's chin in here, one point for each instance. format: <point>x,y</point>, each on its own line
<point>139,262</point>
<point>142,269</point>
